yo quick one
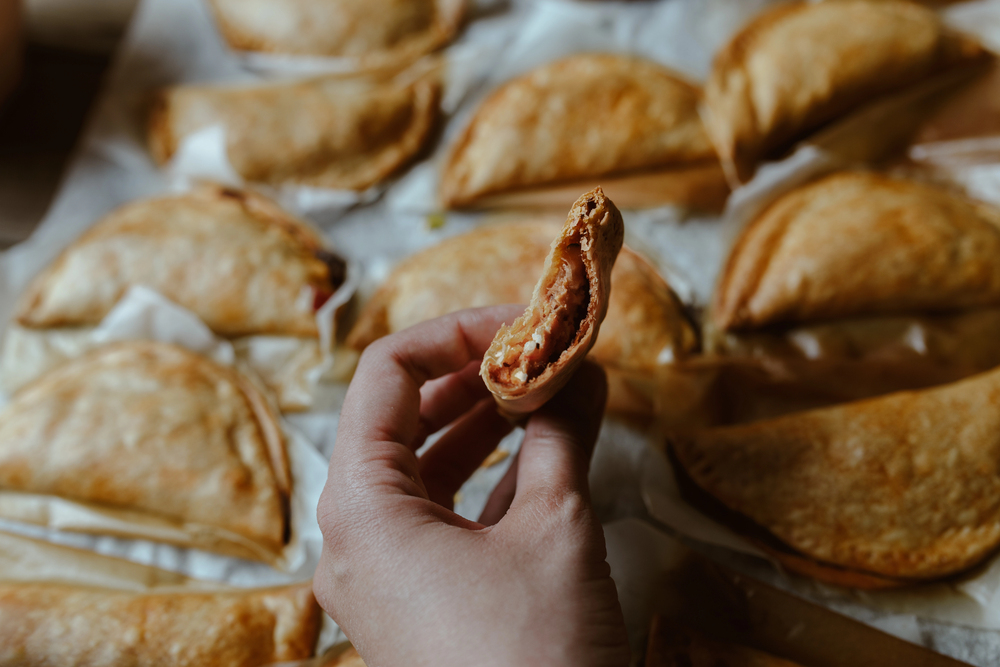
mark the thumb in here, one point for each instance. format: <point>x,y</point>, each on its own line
<point>559,439</point>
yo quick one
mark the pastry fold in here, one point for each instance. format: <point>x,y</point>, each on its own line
<point>72,607</point>
<point>496,264</point>
<point>534,357</point>
<point>859,244</point>
<point>152,429</point>
<point>329,132</point>
<point>802,64</point>
<point>584,116</point>
<point>886,491</point>
<point>377,33</point>
<point>235,259</point>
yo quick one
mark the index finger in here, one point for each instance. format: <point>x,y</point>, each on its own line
<point>383,401</point>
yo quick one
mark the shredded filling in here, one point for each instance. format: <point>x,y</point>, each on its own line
<point>336,271</point>
<point>551,329</point>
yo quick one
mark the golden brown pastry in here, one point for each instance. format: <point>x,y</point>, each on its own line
<point>57,624</point>
<point>329,132</point>
<point>857,244</point>
<point>533,358</point>
<point>645,326</point>
<point>897,489</point>
<point>153,429</point>
<point>678,646</point>
<point>343,656</point>
<point>584,116</point>
<point>378,33</point>
<point>233,258</point>
<point>802,64</point>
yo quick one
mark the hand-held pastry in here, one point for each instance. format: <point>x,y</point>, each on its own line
<point>891,490</point>
<point>154,429</point>
<point>584,116</point>
<point>533,358</point>
<point>377,33</point>
<point>235,259</point>
<point>800,65</point>
<point>857,244</point>
<point>329,132</point>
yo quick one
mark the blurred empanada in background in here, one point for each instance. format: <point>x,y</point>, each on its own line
<point>579,118</point>
<point>883,492</point>
<point>800,65</point>
<point>377,33</point>
<point>167,438</point>
<point>235,259</point>
<point>329,132</point>
<point>61,606</point>
<point>645,328</point>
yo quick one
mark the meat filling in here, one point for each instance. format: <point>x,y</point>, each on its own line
<point>552,329</point>
<point>336,275</point>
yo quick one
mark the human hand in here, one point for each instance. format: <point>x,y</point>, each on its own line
<point>411,582</point>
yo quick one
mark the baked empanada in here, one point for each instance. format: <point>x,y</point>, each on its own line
<point>235,259</point>
<point>153,429</point>
<point>330,132</point>
<point>645,326</point>
<point>800,65</point>
<point>856,244</point>
<point>584,116</point>
<point>896,489</point>
<point>378,33</point>
<point>534,357</point>
<point>80,608</point>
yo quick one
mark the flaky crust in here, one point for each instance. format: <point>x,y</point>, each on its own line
<point>855,244</point>
<point>584,116</point>
<point>802,64</point>
<point>157,429</point>
<point>905,486</point>
<point>331,132</point>
<point>595,224</point>
<point>58,624</point>
<point>233,258</point>
<point>497,264</point>
<point>377,33</point>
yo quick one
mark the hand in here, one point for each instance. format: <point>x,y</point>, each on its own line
<point>411,582</point>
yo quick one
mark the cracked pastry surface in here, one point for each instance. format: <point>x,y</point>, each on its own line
<point>802,64</point>
<point>583,116</point>
<point>330,132</point>
<point>159,430</point>
<point>235,259</point>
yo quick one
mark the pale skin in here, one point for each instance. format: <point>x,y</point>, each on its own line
<point>414,584</point>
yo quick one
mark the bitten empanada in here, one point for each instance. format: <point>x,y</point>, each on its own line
<point>70,607</point>
<point>802,64</point>
<point>857,244</point>
<point>154,429</point>
<point>330,132</point>
<point>534,357</point>
<point>896,489</point>
<point>584,116</point>
<point>377,33</point>
<point>645,326</point>
<point>235,259</point>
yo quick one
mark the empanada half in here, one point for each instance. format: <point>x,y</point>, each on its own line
<point>584,116</point>
<point>154,429</point>
<point>376,33</point>
<point>496,264</point>
<point>329,132</point>
<point>235,259</point>
<point>856,244</point>
<point>903,487</point>
<point>802,64</point>
<point>535,356</point>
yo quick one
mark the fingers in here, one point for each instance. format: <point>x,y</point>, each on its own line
<point>559,439</point>
<point>445,399</point>
<point>383,402</point>
<point>499,501</point>
<point>449,463</point>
